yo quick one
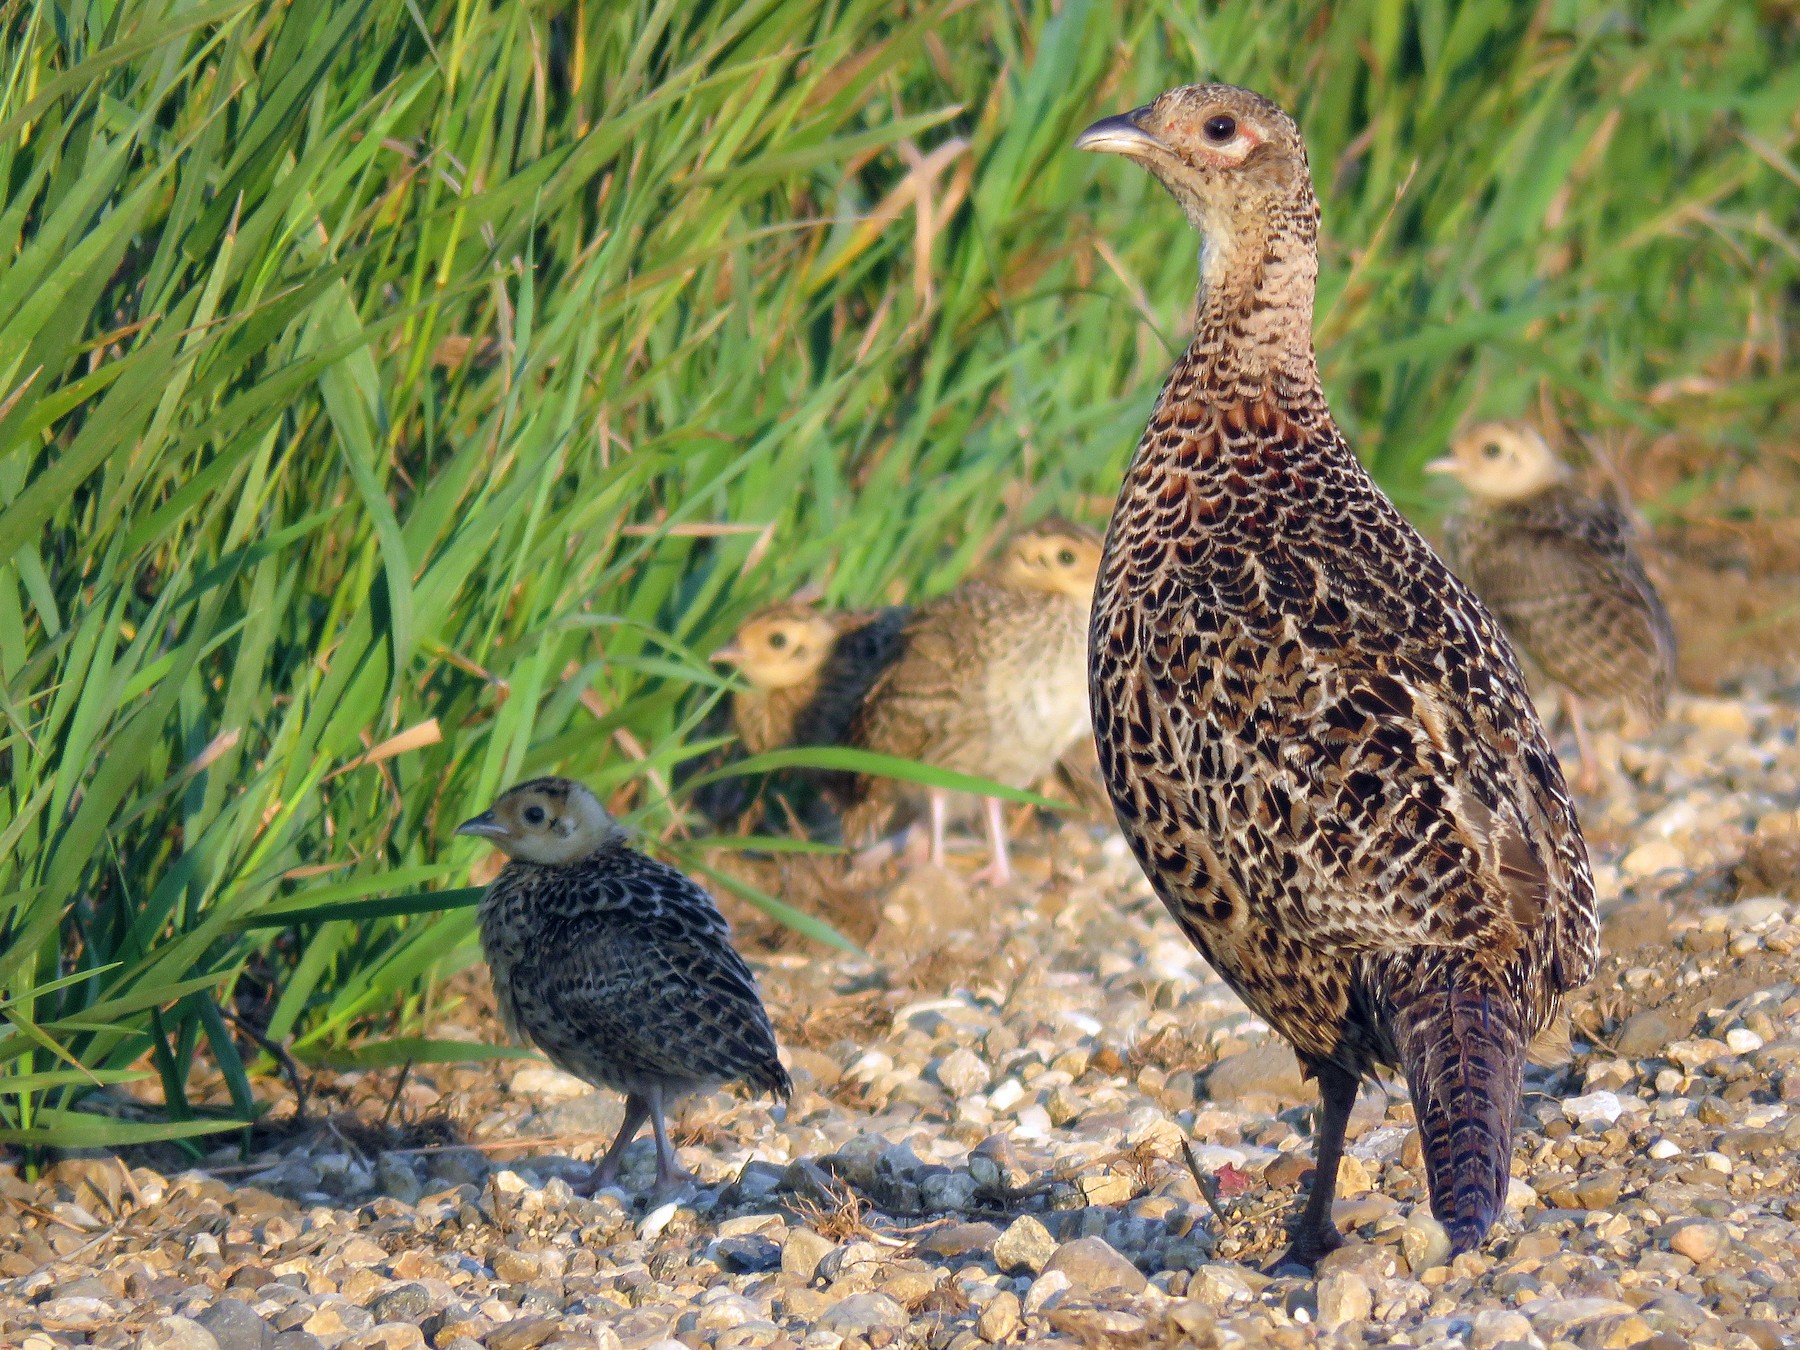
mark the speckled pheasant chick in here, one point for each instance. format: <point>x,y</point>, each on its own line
<point>991,682</point>
<point>1559,569</point>
<point>616,966</point>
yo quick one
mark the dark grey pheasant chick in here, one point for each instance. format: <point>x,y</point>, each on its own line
<point>1559,570</point>
<point>991,682</point>
<point>1317,740</point>
<point>616,966</point>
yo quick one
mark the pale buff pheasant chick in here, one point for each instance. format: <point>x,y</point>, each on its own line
<point>991,682</point>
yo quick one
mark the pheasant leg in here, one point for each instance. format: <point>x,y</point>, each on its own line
<point>1587,776</point>
<point>607,1170</point>
<point>1317,1233</point>
<point>940,810</point>
<point>999,869</point>
<point>669,1173</point>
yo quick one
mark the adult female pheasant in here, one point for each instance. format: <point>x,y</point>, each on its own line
<point>1317,741</point>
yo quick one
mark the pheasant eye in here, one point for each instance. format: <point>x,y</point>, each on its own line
<point>1491,449</point>
<point>534,815</point>
<point>1066,557</point>
<point>778,640</point>
<point>1220,128</point>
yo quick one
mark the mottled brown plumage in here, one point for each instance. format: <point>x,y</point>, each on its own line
<point>1559,570</point>
<point>1318,742</point>
<point>992,680</point>
<point>616,966</point>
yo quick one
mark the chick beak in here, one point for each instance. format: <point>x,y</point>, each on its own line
<point>1121,135</point>
<point>1448,464</point>
<point>730,654</point>
<point>484,826</point>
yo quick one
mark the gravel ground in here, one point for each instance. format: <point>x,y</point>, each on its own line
<point>1034,1118</point>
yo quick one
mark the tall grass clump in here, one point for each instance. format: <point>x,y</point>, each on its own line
<point>395,398</point>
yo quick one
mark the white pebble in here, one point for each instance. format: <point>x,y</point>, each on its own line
<point>657,1220</point>
<point>1743,1040</point>
<point>1593,1108</point>
<point>1008,1095</point>
<point>1665,1148</point>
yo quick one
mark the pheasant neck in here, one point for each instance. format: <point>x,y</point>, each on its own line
<point>1253,336</point>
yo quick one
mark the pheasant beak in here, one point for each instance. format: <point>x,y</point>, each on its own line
<point>1121,135</point>
<point>484,826</point>
<point>1448,464</point>
<point>730,654</point>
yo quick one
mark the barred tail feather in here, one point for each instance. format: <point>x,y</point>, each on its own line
<point>1463,1049</point>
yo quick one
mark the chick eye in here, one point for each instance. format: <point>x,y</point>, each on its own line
<point>1220,128</point>
<point>778,640</point>
<point>1066,557</point>
<point>534,815</point>
<point>1491,449</point>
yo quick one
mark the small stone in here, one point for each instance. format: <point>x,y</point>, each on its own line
<point>948,1192</point>
<point>874,1317</point>
<point>1742,1041</point>
<point>177,1333</point>
<point>235,1325</point>
<point>1555,1318</point>
<point>999,1318</point>
<point>1700,1240</point>
<point>995,1165</point>
<point>1098,1326</point>
<point>963,1073</point>
<point>1025,1247</point>
<point>516,1267</point>
<point>1052,1284</point>
<point>1763,1333</point>
<point>1424,1242</point>
<point>1490,1327</point>
<point>523,1333</point>
<point>1093,1268</point>
<point>325,1321</point>
<point>1269,1071</point>
<point>1647,859</point>
<point>960,1241</point>
<point>1647,1034</point>
<point>1593,1108</point>
<point>1343,1298</point>
<point>1618,1331</point>
<point>1106,1188</point>
<point>405,1303</point>
<point>747,1254</point>
<point>1217,1284</point>
<point>1695,1054</point>
<point>1064,1106</point>
<point>801,1254</point>
<point>1600,1190</point>
<point>77,1312</point>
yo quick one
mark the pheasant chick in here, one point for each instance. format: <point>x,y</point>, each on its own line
<point>991,682</point>
<point>1559,570</point>
<point>616,966</point>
